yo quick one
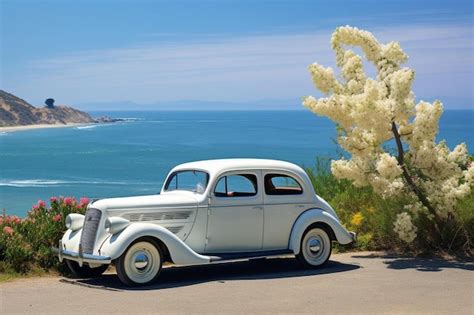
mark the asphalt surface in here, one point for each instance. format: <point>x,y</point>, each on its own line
<point>351,283</point>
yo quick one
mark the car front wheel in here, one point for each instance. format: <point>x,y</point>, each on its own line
<point>315,248</point>
<point>140,264</point>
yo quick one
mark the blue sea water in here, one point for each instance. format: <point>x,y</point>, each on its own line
<point>133,158</point>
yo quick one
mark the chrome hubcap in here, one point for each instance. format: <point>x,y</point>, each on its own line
<point>314,245</point>
<point>141,261</point>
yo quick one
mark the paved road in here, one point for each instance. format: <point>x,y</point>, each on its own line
<point>360,283</point>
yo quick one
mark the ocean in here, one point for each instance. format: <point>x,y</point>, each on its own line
<point>133,158</point>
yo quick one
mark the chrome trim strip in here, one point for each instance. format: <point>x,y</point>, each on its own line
<point>157,216</point>
<point>153,208</point>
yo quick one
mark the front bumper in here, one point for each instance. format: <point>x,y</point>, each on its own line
<point>79,256</point>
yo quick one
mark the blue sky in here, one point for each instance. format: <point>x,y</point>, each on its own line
<point>149,53</point>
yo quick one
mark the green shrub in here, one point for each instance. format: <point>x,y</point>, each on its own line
<point>372,217</point>
<point>26,243</point>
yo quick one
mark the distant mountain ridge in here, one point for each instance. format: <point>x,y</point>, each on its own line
<point>17,112</point>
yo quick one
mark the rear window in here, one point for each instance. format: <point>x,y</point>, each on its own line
<point>280,184</point>
<point>236,185</point>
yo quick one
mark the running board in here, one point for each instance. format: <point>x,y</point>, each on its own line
<point>220,257</point>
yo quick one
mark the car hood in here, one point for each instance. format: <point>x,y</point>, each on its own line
<point>168,200</point>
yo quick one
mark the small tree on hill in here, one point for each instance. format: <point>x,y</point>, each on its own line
<point>49,103</point>
<point>370,112</point>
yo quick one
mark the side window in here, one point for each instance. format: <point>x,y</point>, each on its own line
<point>191,180</point>
<point>279,184</point>
<point>236,185</point>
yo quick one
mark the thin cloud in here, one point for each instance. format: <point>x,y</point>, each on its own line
<point>242,68</point>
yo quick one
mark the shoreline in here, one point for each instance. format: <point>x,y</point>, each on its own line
<point>41,126</point>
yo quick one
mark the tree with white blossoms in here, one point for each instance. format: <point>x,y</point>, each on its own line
<point>373,112</point>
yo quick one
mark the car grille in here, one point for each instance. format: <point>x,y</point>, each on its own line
<point>89,231</point>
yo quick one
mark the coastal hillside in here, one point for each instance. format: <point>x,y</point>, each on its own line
<point>17,112</point>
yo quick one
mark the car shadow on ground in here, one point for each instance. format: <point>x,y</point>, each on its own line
<point>432,264</point>
<point>172,277</point>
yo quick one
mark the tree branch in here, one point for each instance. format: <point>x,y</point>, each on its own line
<point>406,175</point>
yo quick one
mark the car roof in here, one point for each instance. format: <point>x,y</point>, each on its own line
<point>222,165</point>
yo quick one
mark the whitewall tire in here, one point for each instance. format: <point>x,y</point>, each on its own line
<point>140,264</point>
<point>315,248</point>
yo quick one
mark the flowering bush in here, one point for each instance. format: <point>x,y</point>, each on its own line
<point>371,112</point>
<point>377,220</point>
<point>405,228</point>
<point>26,243</point>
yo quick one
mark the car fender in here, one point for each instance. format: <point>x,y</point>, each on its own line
<point>310,217</point>
<point>71,240</point>
<point>115,245</point>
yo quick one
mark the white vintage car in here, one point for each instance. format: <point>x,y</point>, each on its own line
<point>207,211</point>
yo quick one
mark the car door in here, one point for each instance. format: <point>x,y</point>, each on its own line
<point>235,216</point>
<point>284,200</point>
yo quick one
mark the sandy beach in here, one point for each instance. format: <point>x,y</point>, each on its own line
<point>42,126</point>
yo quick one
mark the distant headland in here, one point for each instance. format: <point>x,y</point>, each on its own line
<point>17,114</point>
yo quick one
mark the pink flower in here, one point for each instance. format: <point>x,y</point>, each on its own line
<point>14,219</point>
<point>79,207</point>
<point>35,208</point>
<point>53,199</point>
<point>1,220</point>
<point>8,230</point>
<point>41,203</point>
<point>68,201</point>
<point>57,218</point>
<point>84,201</point>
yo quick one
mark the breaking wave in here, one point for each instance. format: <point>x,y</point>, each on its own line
<point>130,118</point>
<point>53,182</point>
<point>87,127</point>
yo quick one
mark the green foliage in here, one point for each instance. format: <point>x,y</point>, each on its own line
<point>25,244</point>
<point>372,217</point>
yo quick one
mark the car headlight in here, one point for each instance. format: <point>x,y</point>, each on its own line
<point>74,221</point>
<point>113,225</point>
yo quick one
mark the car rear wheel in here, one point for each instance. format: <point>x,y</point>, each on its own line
<point>140,264</point>
<point>85,271</point>
<point>315,248</point>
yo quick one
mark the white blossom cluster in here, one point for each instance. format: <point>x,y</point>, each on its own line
<point>404,227</point>
<point>365,109</point>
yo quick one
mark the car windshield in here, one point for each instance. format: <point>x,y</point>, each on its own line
<point>190,180</point>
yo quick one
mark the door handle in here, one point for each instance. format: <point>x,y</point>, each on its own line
<point>257,208</point>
